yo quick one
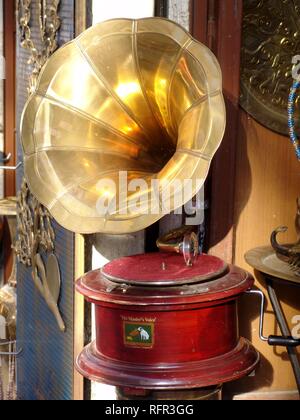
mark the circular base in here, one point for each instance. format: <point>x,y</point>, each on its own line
<point>188,375</point>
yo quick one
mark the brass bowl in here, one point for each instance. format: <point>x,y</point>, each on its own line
<point>135,96</point>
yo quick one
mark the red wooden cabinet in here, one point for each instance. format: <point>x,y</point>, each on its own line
<point>166,337</point>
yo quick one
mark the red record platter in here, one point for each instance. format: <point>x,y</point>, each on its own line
<point>165,269</point>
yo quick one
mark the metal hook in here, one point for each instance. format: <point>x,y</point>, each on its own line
<point>5,158</point>
<point>9,353</point>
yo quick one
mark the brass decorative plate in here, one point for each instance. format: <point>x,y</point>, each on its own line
<point>271,38</point>
<point>265,260</point>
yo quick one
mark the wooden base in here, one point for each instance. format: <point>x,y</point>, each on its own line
<point>188,375</point>
<point>213,393</point>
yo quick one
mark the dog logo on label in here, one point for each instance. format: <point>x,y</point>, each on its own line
<point>138,335</point>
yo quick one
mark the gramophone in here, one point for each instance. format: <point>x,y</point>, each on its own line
<point>142,100</point>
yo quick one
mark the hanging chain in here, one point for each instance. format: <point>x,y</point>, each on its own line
<point>28,207</point>
<point>49,24</point>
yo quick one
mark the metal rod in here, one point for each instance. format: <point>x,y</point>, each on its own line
<point>11,353</point>
<point>11,168</point>
<point>262,312</point>
<point>6,343</point>
<point>292,352</point>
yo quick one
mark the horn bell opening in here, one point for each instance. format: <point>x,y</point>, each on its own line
<point>121,118</point>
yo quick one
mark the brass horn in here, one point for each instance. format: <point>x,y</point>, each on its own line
<point>137,98</point>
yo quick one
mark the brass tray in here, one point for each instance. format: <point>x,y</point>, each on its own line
<point>265,260</point>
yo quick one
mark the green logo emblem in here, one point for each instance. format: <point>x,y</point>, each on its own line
<point>139,335</point>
